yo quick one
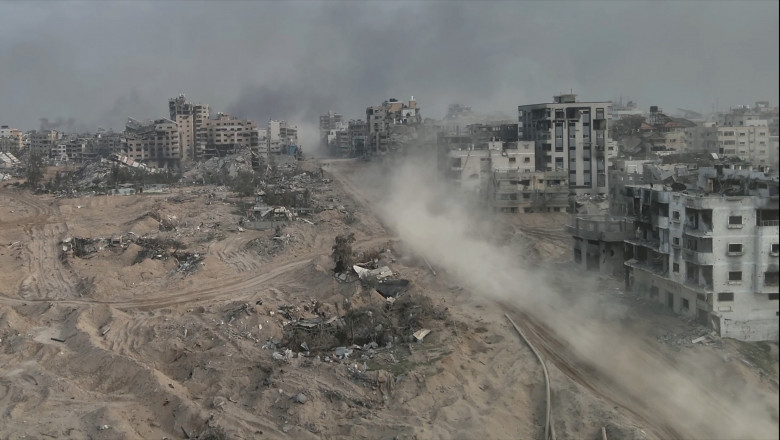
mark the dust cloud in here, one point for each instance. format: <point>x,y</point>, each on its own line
<point>667,395</point>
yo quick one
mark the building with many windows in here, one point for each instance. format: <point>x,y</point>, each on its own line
<point>570,136</point>
<point>709,250</point>
<point>191,120</point>
<point>154,143</point>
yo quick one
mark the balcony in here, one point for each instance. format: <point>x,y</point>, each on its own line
<point>697,232</point>
<point>700,258</point>
<point>660,221</point>
<point>644,266</point>
<point>655,245</point>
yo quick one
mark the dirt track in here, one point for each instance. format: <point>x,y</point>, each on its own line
<point>150,352</point>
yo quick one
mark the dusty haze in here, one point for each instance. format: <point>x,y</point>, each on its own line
<point>435,223</point>
<point>101,62</point>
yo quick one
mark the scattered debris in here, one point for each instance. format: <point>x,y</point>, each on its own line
<point>420,334</point>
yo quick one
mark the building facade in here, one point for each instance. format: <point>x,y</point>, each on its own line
<point>191,120</point>
<point>708,252</point>
<point>42,142</point>
<point>227,135</point>
<point>569,136</point>
<point>281,136</point>
<point>10,140</point>
<point>155,143</point>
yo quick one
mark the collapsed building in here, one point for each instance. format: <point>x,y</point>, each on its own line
<point>391,126</point>
<point>702,240</point>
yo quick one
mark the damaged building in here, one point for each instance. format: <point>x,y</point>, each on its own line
<point>391,125</point>
<point>155,142</point>
<point>705,245</point>
<point>572,137</point>
<point>503,175</point>
<point>282,137</point>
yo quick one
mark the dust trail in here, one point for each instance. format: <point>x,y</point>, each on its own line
<point>431,219</point>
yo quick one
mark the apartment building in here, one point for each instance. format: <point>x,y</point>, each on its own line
<point>328,123</point>
<point>155,143</point>
<point>598,242</point>
<point>702,138</point>
<point>42,142</point>
<point>381,120</point>
<point>281,136</point>
<point>503,175</point>
<point>337,139</point>
<point>191,119</point>
<point>709,250</point>
<point>357,134</point>
<point>569,136</point>
<point>227,135</point>
<point>10,139</point>
<point>749,142</point>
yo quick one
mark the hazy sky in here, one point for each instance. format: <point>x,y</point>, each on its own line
<point>100,62</point>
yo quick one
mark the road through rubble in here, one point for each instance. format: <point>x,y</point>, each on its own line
<point>664,395</point>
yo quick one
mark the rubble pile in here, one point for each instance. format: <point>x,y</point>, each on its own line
<point>220,169</point>
<point>152,248</point>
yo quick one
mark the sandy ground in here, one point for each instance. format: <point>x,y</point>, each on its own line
<point>100,347</point>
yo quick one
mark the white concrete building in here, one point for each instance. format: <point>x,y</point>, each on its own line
<point>570,136</point>
<point>749,142</point>
<point>10,139</point>
<point>710,252</point>
<point>281,135</point>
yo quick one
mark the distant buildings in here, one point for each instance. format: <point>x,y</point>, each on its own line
<point>227,135</point>
<point>333,133</point>
<point>42,142</point>
<point>489,162</point>
<point>386,125</point>
<point>11,140</point>
<point>191,120</point>
<point>571,137</point>
<point>281,137</point>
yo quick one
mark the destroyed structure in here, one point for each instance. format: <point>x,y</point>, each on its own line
<point>699,234</point>
<point>489,162</point>
<point>282,138</point>
<point>392,125</point>
<point>154,142</point>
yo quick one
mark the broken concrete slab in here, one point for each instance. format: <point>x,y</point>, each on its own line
<point>392,288</point>
<point>420,334</point>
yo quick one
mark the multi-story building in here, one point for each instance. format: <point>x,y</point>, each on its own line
<point>328,123</point>
<point>155,142</point>
<point>569,136</point>
<point>337,139</point>
<point>503,175</point>
<point>226,135</point>
<point>281,136</point>
<point>749,142</point>
<point>709,250</point>
<point>381,119</point>
<point>10,139</point>
<point>191,121</point>
<point>357,136</point>
<point>42,142</point>
<point>702,138</point>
